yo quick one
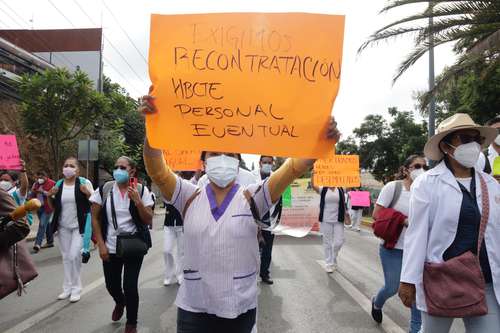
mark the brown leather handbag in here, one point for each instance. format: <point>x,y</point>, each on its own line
<point>16,269</point>
<point>456,288</point>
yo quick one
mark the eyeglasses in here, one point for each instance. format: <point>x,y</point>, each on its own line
<point>466,138</point>
<point>121,167</point>
<point>419,166</point>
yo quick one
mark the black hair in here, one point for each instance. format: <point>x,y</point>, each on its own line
<point>131,162</point>
<point>406,164</point>
<point>493,121</point>
<point>263,156</point>
<point>78,163</point>
<point>12,174</point>
<point>41,173</point>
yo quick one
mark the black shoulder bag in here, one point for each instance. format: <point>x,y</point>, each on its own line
<point>128,244</point>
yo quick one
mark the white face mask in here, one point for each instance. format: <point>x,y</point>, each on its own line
<point>222,169</point>
<point>266,168</point>
<point>41,181</point>
<point>6,185</point>
<point>69,172</point>
<point>415,173</point>
<point>467,154</point>
<point>497,140</point>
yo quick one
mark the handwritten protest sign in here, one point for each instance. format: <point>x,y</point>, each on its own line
<point>9,153</point>
<point>337,171</point>
<point>183,160</point>
<point>245,82</point>
<point>360,198</point>
<point>300,209</point>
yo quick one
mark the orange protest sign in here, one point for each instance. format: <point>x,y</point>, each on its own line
<point>245,82</point>
<point>183,160</point>
<point>337,171</point>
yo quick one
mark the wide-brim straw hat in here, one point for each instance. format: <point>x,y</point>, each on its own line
<point>459,121</point>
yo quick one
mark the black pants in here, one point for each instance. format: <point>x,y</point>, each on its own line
<point>191,322</point>
<point>129,295</point>
<point>266,251</point>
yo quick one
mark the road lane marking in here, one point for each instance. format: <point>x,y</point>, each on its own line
<point>388,325</point>
<point>51,310</point>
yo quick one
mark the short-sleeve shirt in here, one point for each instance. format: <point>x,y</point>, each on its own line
<point>123,217</point>
<point>69,213</point>
<point>221,250</point>
<point>332,201</point>
<point>402,205</point>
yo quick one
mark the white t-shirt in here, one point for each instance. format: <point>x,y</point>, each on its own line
<point>332,200</point>
<point>69,215</point>
<point>244,178</point>
<point>123,217</point>
<point>402,205</point>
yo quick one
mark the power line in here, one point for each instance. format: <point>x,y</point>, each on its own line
<point>107,61</point>
<point>62,57</point>
<point>125,32</point>
<point>107,39</point>
<point>15,13</point>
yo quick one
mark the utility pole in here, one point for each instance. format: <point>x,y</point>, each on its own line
<point>432,80</point>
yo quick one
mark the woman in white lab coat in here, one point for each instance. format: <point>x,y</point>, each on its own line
<point>444,219</point>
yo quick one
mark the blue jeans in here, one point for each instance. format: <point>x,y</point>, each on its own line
<point>392,260</point>
<point>44,228</point>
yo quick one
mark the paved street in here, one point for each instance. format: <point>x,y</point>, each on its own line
<point>303,299</point>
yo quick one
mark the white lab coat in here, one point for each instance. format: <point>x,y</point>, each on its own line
<point>435,206</point>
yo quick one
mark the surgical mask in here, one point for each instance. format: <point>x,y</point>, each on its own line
<point>415,173</point>
<point>69,172</point>
<point>497,140</point>
<point>266,168</point>
<point>121,176</point>
<point>41,181</point>
<point>222,169</point>
<point>467,154</point>
<point>6,185</point>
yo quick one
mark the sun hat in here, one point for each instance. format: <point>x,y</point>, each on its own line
<point>458,121</point>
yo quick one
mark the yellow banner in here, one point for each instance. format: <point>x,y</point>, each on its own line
<point>245,82</point>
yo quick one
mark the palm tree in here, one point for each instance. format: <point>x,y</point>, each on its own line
<point>473,26</point>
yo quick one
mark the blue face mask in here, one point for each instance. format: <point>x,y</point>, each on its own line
<point>121,176</point>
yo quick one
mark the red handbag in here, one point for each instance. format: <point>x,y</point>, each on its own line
<point>16,269</point>
<point>456,288</point>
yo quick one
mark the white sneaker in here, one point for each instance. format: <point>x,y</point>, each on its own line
<point>168,282</point>
<point>63,295</point>
<point>358,229</point>
<point>329,269</point>
<point>74,298</point>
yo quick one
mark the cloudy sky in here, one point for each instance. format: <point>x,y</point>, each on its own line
<point>366,83</point>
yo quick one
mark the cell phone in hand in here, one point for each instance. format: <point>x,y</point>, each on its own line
<point>133,182</point>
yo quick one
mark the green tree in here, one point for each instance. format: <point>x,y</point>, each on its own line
<point>60,107</point>
<point>383,146</point>
<point>475,92</point>
<point>471,26</point>
<point>123,128</point>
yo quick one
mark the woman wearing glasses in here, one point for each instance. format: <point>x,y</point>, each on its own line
<point>396,195</point>
<point>221,250</point>
<point>121,207</point>
<point>451,262</point>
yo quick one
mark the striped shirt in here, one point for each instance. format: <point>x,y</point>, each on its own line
<point>221,250</point>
